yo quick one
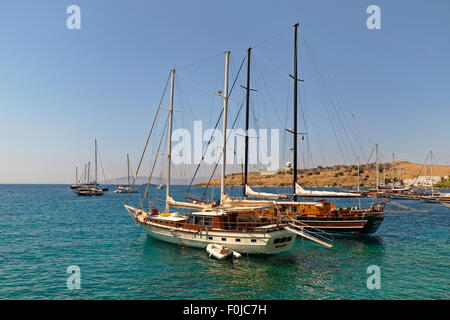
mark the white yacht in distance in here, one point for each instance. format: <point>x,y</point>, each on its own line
<point>126,188</point>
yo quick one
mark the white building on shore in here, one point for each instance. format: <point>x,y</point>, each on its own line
<point>423,181</point>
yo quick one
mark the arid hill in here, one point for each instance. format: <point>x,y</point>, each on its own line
<point>340,175</point>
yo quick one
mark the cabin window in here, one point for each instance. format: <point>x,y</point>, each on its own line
<point>190,220</point>
<point>283,240</point>
<point>238,240</point>
<point>224,239</point>
<point>253,240</point>
<point>210,238</point>
<point>209,221</point>
<point>289,239</point>
<point>277,240</point>
<point>198,220</point>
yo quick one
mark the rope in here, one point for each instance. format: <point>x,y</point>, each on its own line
<point>200,61</point>
<point>154,162</point>
<point>148,137</point>
<point>217,163</point>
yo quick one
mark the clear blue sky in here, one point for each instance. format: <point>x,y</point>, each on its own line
<point>60,89</point>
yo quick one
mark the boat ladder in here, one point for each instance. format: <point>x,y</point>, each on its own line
<point>299,231</point>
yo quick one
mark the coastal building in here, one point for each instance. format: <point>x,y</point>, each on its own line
<point>423,181</point>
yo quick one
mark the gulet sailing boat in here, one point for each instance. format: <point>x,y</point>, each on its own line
<point>90,188</point>
<point>312,216</point>
<point>240,229</point>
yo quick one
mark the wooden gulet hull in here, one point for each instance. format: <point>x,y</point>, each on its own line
<point>243,242</point>
<point>363,225</point>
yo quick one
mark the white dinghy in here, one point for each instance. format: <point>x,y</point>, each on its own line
<point>221,252</point>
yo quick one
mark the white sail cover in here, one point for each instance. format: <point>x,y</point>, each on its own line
<point>189,205</point>
<point>264,195</point>
<point>299,191</point>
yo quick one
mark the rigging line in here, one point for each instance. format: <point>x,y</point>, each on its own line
<point>355,136</point>
<point>200,61</point>
<point>271,38</point>
<point>333,107</point>
<point>259,73</point>
<point>232,87</point>
<point>353,115</point>
<point>421,167</point>
<point>270,65</point>
<point>334,129</point>
<point>149,135</point>
<point>204,153</point>
<point>183,96</point>
<point>193,83</point>
<point>154,163</point>
<point>373,149</point>
<point>228,137</point>
<point>101,165</point>
<point>303,112</point>
<point>327,92</point>
<point>237,75</point>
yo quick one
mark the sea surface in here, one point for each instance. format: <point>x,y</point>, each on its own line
<point>44,229</point>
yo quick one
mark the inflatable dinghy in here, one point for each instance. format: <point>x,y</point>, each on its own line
<point>221,252</point>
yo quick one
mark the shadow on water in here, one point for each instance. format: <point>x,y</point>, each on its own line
<point>251,276</point>
<point>307,271</point>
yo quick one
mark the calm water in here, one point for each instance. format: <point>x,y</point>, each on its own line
<point>46,228</point>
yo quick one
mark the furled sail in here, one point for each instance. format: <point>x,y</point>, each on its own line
<point>189,205</point>
<point>227,201</point>
<point>264,195</point>
<point>299,191</point>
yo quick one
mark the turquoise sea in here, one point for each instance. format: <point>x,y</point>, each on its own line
<point>44,229</point>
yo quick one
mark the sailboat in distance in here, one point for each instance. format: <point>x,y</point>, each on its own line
<point>90,188</point>
<point>126,188</point>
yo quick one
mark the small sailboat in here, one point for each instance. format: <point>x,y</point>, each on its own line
<point>160,187</point>
<point>77,182</point>
<point>126,188</point>
<point>90,188</point>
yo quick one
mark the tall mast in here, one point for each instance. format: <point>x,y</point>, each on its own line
<point>85,174</point>
<point>359,197</point>
<point>169,141</point>
<point>76,175</point>
<point>358,175</point>
<point>89,173</point>
<point>225,111</point>
<point>392,169</point>
<point>295,111</point>
<point>95,182</point>
<point>400,174</point>
<point>378,167</point>
<point>247,107</point>
<point>128,168</point>
<point>431,173</point>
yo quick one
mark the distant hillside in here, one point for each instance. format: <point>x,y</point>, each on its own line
<point>340,175</point>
